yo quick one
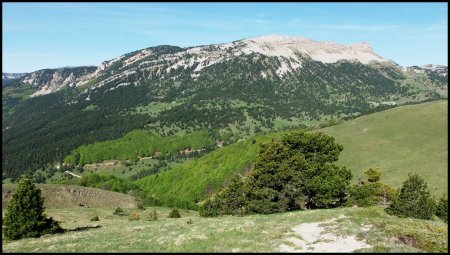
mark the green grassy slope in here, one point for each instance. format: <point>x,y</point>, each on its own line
<point>70,196</point>
<point>250,233</point>
<point>399,141</point>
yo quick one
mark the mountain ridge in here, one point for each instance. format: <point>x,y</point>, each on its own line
<point>289,49</point>
<point>223,88</point>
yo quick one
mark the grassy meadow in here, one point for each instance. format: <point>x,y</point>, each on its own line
<point>254,233</point>
<point>402,140</point>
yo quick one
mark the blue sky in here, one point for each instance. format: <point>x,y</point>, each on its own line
<point>50,35</point>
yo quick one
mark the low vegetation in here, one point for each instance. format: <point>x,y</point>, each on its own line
<point>249,233</point>
<point>372,191</point>
<point>174,213</point>
<point>151,216</point>
<point>119,211</point>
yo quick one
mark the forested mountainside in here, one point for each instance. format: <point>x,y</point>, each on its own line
<point>242,88</point>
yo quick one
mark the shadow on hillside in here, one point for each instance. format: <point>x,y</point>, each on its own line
<point>83,228</point>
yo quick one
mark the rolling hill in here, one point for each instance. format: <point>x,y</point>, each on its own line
<point>405,139</point>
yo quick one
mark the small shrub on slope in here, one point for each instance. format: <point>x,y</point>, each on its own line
<point>134,216</point>
<point>151,216</point>
<point>174,213</point>
<point>119,211</point>
<point>371,192</point>
<point>414,200</point>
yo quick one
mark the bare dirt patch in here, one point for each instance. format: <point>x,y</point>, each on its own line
<point>312,237</point>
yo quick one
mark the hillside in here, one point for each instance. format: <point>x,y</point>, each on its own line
<point>245,87</point>
<point>138,143</point>
<point>403,138</point>
<point>69,196</point>
<point>399,141</point>
<point>344,230</point>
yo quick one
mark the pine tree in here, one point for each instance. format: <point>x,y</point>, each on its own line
<point>414,200</point>
<point>25,213</point>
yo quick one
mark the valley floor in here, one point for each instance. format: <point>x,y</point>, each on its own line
<point>332,230</point>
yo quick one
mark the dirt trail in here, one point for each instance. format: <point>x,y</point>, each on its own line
<point>75,175</point>
<point>312,238</point>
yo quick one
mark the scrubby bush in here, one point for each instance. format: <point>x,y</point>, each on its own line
<point>25,213</point>
<point>151,216</point>
<point>414,200</point>
<point>373,175</point>
<point>174,213</point>
<point>371,192</point>
<point>95,218</point>
<point>442,208</point>
<point>134,216</point>
<point>140,205</point>
<point>119,211</point>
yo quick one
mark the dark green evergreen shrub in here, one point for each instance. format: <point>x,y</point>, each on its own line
<point>25,213</point>
<point>442,208</point>
<point>174,213</point>
<point>119,211</point>
<point>210,208</point>
<point>363,195</point>
<point>414,200</point>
